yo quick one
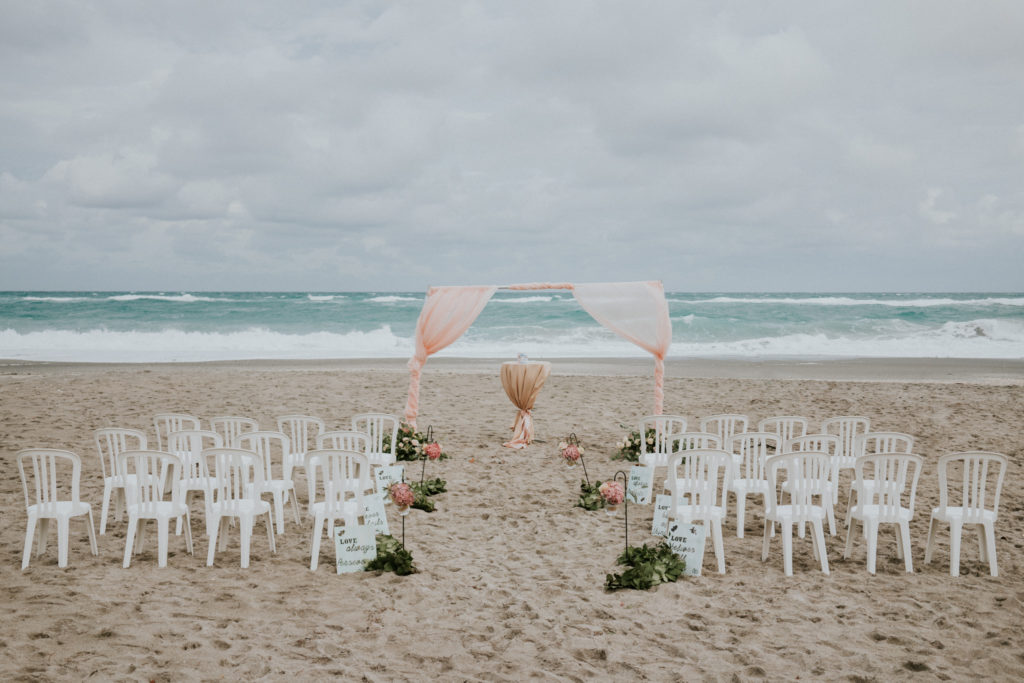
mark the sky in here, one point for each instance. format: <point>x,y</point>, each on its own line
<point>332,146</point>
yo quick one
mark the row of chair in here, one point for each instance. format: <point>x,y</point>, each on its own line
<point>885,485</point>
<point>193,460</point>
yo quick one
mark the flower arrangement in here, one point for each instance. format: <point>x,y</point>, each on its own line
<point>648,566</point>
<point>590,497</point>
<point>410,445</point>
<point>402,494</point>
<point>612,493</point>
<point>432,450</point>
<point>391,557</point>
<point>629,448</point>
<point>570,452</point>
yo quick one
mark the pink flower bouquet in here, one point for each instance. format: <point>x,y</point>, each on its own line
<point>432,450</point>
<point>612,492</point>
<point>402,494</point>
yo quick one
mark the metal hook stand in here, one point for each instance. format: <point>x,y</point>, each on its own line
<point>625,500</point>
<point>429,438</point>
<point>403,516</point>
<point>576,442</point>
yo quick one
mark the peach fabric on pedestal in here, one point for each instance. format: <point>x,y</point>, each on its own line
<point>522,383</point>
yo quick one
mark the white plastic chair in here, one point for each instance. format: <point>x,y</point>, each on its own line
<point>301,431</point>
<point>725,426</point>
<point>109,442</point>
<point>656,454</point>
<point>377,426</point>
<point>703,476</point>
<point>147,500</point>
<point>189,444</point>
<point>231,427</point>
<point>343,440</point>
<point>750,450</point>
<point>689,441</point>
<point>800,471</point>
<point>821,485</point>
<point>51,486</point>
<point>271,447</point>
<point>335,497</point>
<point>872,443</point>
<point>885,476</point>
<point>238,484</point>
<point>972,502</point>
<point>846,428</point>
<point>165,423</point>
<point>786,427</point>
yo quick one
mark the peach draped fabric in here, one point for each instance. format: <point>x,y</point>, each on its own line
<point>636,311</point>
<point>522,383</point>
<point>447,313</point>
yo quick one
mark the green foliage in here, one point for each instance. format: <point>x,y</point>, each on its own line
<point>422,492</point>
<point>590,498</point>
<point>409,444</point>
<point>648,566</point>
<point>629,447</point>
<point>391,557</point>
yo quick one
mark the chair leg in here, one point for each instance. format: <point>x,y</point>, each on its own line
<point>850,526</point>
<point>63,524</point>
<point>990,542</point>
<point>981,543</point>
<point>107,492</point>
<point>849,507</point>
<point>830,511</point>
<point>908,560</point>
<point>741,513</point>
<point>716,532</point>
<point>872,527</point>
<point>30,532</point>
<point>279,500</point>
<point>42,535</point>
<point>245,531</point>
<point>899,541</point>
<point>769,526</point>
<point>162,531</point>
<point>819,535</point>
<point>787,548</point>
<point>129,539</point>
<point>92,535</point>
<point>188,533</point>
<point>295,508</point>
<point>270,534</point>
<point>928,543</point>
<point>224,522</point>
<point>955,533</point>
<point>213,524</point>
<point>318,531</point>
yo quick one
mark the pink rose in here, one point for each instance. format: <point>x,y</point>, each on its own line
<point>433,450</point>
<point>612,492</point>
<point>401,494</point>
<point>571,452</point>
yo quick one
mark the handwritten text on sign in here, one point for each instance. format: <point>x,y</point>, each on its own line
<point>641,479</point>
<point>687,541</point>
<point>386,476</point>
<point>354,546</point>
<point>374,515</point>
<point>661,505</point>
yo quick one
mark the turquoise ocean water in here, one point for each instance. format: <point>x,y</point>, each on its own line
<point>196,326</point>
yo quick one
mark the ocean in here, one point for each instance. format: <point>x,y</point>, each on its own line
<point>203,326</point>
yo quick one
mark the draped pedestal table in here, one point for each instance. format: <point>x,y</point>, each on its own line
<point>522,383</point>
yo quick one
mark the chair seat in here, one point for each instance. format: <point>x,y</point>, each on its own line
<point>875,512</point>
<point>158,510</point>
<point>974,516</point>
<point>62,508</point>
<point>747,486</point>
<point>245,507</point>
<point>787,514</point>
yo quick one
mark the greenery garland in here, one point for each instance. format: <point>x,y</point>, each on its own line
<point>590,498</point>
<point>423,492</point>
<point>648,566</point>
<point>391,557</point>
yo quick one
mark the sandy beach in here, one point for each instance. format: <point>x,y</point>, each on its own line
<point>510,581</point>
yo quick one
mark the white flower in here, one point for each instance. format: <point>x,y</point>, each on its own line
<point>650,440</point>
<point>562,445</point>
<point>415,442</point>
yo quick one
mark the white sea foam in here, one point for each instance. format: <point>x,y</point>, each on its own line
<point>325,297</point>
<point>177,298</point>
<point>57,299</point>
<point>849,301</point>
<point>391,299</point>
<point>973,339</point>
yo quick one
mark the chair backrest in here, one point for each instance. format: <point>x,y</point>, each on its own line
<point>753,448</point>
<point>272,447</point>
<point>977,480</point>
<point>237,477</point>
<point>301,430</point>
<point>230,427</point>
<point>888,474</point>
<point>819,443</point>
<point>688,441</point>
<point>786,426</point>
<point>113,440</point>
<point>52,476</point>
<point>165,423</point>
<point>703,474</point>
<point>343,440</point>
<point>882,442</point>
<point>146,488</point>
<point>659,428</point>
<point>189,444</point>
<point>726,426</point>
<point>803,471</point>
<point>339,476</point>
<point>846,428</point>
<point>377,426</point>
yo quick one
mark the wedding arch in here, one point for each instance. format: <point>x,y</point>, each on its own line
<point>636,311</point>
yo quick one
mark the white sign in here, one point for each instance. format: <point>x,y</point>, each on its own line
<point>638,490</point>
<point>661,505</point>
<point>354,545</point>
<point>386,476</point>
<point>373,514</point>
<point>687,541</point>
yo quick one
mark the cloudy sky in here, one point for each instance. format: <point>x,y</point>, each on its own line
<point>717,146</point>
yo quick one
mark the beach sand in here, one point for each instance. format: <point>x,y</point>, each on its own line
<point>511,574</point>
